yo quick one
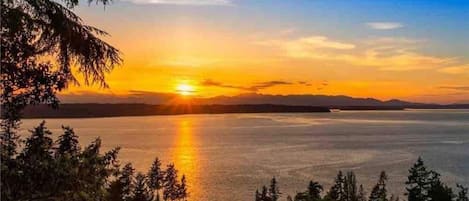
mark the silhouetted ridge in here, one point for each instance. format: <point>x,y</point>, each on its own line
<point>110,110</point>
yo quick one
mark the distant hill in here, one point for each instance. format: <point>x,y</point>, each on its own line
<point>112,110</point>
<point>313,100</point>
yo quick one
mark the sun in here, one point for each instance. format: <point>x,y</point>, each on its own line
<point>185,89</point>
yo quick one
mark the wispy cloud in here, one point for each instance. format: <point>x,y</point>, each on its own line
<point>184,2</point>
<point>253,88</point>
<point>463,88</point>
<point>456,70</point>
<point>388,54</point>
<point>384,25</point>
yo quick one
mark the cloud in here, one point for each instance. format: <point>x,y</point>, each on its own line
<point>387,54</point>
<point>384,25</point>
<point>463,88</point>
<point>455,70</point>
<point>185,2</point>
<point>253,88</point>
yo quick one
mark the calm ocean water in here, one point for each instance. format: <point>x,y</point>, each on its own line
<point>228,156</point>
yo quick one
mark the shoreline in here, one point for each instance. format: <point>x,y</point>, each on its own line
<point>93,110</point>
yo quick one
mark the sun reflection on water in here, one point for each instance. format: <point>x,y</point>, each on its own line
<point>185,155</point>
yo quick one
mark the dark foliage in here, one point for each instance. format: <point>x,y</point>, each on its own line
<point>423,184</point>
<point>41,41</point>
<point>269,194</point>
<point>61,170</point>
<point>379,192</point>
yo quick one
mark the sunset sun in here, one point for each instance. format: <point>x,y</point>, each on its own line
<point>185,89</point>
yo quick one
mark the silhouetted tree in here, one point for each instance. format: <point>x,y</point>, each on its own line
<point>274,192</point>
<point>337,190</point>
<point>423,184</point>
<point>379,192</point>
<point>350,187</point>
<point>313,193</point>
<point>439,191</point>
<point>264,194</point>
<point>141,191</point>
<point>418,182</point>
<point>68,143</point>
<point>121,189</point>
<point>314,190</point>
<point>182,189</point>
<point>268,194</point>
<point>462,194</point>
<point>170,184</point>
<point>40,40</point>
<point>47,170</point>
<point>155,177</point>
<point>361,194</point>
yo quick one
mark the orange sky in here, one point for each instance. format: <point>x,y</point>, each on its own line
<point>233,55</point>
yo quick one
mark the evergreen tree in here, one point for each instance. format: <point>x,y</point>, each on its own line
<point>257,196</point>
<point>314,190</point>
<point>462,194</point>
<point>155,177</point>
<point>274,192</point>
<point>439,191</point>
<point>264,194</point>
<point>68,143</point>
<point>41,41</point>
<point>126,180</point>
<point>141,191</point>
<point>350,187</point>
<point>337,190</point>
<point>379,192</point>
<point>170,184</point>
<point>418,182</point>
<point>425,185</point>
<point>361,194</point>
<point>182,189</point>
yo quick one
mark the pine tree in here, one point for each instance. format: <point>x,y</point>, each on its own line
<point>314,190</point>
<point>361,194</point>
<point>155,177</point>
<point>264,194</point>
<point>418,182</point>
<point>257,196</point>
<point>68,143</point>
<point>141,191</point>
<point>126,181</point>
<point>274,192</point>
<point>337,190</point>
<point>439,191</point>
<point>182,189</point>
<point>462,194</point>
<point>170,184</point>
<point>350,187</point>
<point>379,192</point>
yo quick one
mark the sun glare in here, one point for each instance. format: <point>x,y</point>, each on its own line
<point>185,89</point>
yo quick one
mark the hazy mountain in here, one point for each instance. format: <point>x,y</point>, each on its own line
<point>251,98</point>
<point>316,100</point>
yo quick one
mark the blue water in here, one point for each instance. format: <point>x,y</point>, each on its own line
<point>226,157</point>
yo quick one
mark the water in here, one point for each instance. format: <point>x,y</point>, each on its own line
<point>228,156</point>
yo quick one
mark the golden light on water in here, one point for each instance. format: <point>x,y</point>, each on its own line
<point>185,154</point>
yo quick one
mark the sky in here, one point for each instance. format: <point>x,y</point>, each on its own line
<point>415,50</point>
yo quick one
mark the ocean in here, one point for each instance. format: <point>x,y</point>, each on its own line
<point>229,156</point>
